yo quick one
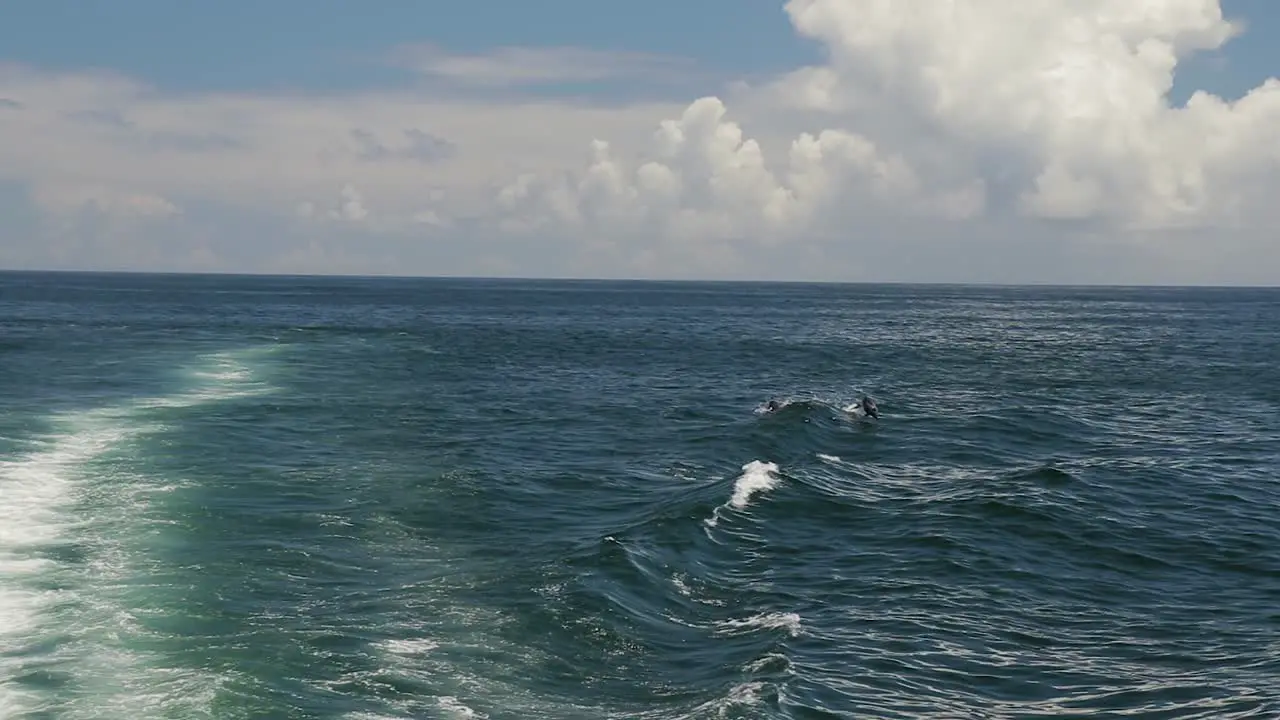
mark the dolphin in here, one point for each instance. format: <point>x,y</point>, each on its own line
<point>864,406</point>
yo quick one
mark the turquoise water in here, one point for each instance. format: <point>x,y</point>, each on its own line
<point>232,497</point>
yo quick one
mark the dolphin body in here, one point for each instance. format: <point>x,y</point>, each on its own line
<point>864,407</point>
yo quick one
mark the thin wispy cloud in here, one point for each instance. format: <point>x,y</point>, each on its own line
<point>411,144</point>
<point>527,66</point>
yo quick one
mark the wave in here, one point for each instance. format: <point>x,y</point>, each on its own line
<point>919,563</point>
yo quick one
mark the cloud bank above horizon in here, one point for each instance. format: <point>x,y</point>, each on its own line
<point>966,141</point>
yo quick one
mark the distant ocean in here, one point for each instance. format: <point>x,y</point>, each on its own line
<point>263,497</point>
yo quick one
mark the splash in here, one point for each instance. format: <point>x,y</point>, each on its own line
<point>790,622</point>
<point>757,477</point>
<point>457,709</point>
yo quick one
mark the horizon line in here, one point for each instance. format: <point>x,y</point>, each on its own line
<point>633,279</point>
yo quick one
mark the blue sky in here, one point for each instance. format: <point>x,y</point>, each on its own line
<point>326,45</point>
<point>322,45</point>
<point>458,138</point>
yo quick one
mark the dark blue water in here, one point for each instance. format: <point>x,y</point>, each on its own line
<point>346,498</point>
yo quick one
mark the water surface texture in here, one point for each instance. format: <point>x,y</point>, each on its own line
<point>232,497</point>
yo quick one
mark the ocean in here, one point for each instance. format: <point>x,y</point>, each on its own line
<point>292,497</point>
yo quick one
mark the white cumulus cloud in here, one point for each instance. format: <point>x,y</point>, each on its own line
<point>966,110</point>
<point>1073,95</point>
<point>704,181</point>
<point>965,139</point>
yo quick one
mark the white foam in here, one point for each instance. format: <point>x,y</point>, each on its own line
<point>764,621</point>
<point>767,662</point>
<point>757,477</point>
<point>435,648</point>
<point>744,695</point>
<point>38,490</point>
<point>455,708</point>
<point>53,495</point>
<point>222,376</point>
<point>681,586</point>
<point>855,409</point>
<point>419,646</point>
<point>763,408</point>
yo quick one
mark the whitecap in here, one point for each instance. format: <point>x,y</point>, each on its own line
<point>456,708</point>
<point>764,621</point>
<point>756,477</point>
<point>409,646</point>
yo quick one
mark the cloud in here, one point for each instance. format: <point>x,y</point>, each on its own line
<point>512,66</point>
<point>975,114</point>
<point>706,196</point>
<point>64,199</point>
<point>119,129</point>
<point>1069,98</point>
<point>969,140</point>
<point>417,145</point>
<point>406,151</point>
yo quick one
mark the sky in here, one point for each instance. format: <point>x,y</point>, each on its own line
<point>1049,141</point>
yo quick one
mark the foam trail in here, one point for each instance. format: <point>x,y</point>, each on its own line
<point>73,516</point>
<point>37,490</point>
<point>426,652</point>
<point>223,376</point>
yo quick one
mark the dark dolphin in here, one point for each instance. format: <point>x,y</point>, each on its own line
<point>869,407</point>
